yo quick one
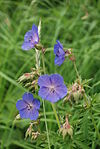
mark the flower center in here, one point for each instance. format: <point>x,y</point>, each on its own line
<point>52,89</point>
<point>30,106</point>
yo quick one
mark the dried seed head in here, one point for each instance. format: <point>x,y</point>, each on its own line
<point>35,135</point>
<point>29,131</point>
<point>75,92</point>
<point>29,80</point>
<point>66,128</point>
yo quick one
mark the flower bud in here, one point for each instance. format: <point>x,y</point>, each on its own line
<point>18,117</point>
<point>38,46</point>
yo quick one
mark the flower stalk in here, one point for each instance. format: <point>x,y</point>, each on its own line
<point>55,112</point>
<point>77,73</point>
<point>38,66</point>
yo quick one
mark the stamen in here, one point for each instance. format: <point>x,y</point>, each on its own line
<point>52,89</point>
<point>29,106</point>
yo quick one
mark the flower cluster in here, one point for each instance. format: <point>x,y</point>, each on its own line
<point>49,87</point>
<point>52,87</point>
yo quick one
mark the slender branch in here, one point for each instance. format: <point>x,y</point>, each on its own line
<point>46,125</point>
<point>43,62</point>
<point>55,112</point>
<point>44,105</point>
<point>38,66</point>
<point>77,73</point>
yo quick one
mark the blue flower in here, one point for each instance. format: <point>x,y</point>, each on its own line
<point>52,87</point>
<point>59,53</point>
<point>31,38</point>
<point>28,107</point>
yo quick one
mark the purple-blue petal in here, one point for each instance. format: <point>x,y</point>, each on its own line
<point>58,49</point>
<point>34,28</point>
<point>60,45</point>
<point>28,98</point>
<point>27,45</point>
<point>56,79</point>
<point>29,114</point>
<point>21,105</point>
<point>36,104</point>
<point>44,80</point>
<point>28,36</point>
<point>24,113</point>
<point>59,60</point>
<point>34,114</point>
<point>43,92</point>
<point>35,39</point>
<point>53,97</point>
<point>61,90</point>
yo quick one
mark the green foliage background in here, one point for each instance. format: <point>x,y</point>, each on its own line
<point>61,19</point>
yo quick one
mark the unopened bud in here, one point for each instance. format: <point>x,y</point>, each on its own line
<point>18,117</point>
<point>38,46</point>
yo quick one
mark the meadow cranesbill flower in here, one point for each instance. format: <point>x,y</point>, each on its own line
<point>52,87</point>
<point>28,107</point>
<point>59,53</point>
<point>31,38</point>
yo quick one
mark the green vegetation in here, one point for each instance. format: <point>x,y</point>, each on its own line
<point>76,24</point>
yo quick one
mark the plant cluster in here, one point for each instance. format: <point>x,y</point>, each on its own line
<point>53,89</point>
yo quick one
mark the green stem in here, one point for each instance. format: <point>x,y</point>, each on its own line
<point>46,125</point>
<point>43,61</point>
<point>55,112</point>
<point>44,107</point>
<point>86,100</point>
<point>57,119</point>
<point>77,73</point>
